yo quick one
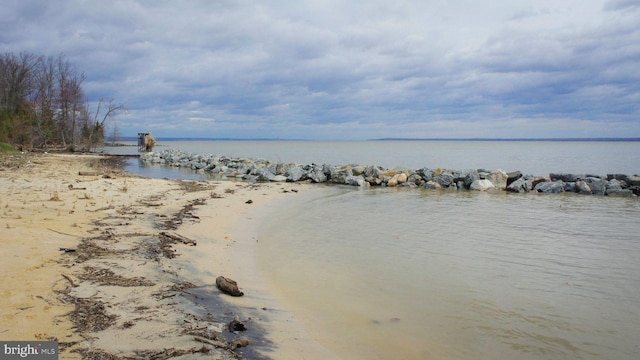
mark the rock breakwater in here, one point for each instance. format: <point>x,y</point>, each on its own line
<point>260,170</point>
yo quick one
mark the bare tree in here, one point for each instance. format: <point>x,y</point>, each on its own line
<point>115,132</point>
<point>69,99</point>
<point>16,79</point>
<point>43,108</point>
<point>93,133</point>
<point>42,103</point>
<point>16,85</point>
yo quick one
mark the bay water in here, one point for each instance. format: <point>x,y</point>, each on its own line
<point>417,274</point>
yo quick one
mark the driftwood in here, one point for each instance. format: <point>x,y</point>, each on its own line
<point>61,233</point>
<point>221,345</point>
<point>90,173</point>
<point>178,238</point>
<point>228,286</point>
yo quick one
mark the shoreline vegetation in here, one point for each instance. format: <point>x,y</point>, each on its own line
<point>265,171</point>
<point>113,266</point>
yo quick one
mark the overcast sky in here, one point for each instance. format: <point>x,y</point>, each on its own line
<point>330,69</point>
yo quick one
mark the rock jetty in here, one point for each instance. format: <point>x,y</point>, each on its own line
<point>259,170</point>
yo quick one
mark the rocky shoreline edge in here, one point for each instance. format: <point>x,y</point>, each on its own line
<point>260,170</point>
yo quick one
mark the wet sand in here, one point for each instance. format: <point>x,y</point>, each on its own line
<point>117,266</point>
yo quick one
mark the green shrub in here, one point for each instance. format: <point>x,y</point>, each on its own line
<point>6,148</point>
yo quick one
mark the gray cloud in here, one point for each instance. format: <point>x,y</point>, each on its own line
<point>615,5</point>
<point>341,69</point>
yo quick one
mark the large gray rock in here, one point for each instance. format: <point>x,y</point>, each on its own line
<point>598,186</point>
<point>521,185</point>
<point>373,172</point>
<point>264,174</point>
<point>445,179</point>
<point>356,181</point>
<point>570,187</point>
<point>339,175</point>
<point>513,176</point>
<point>620,193</point>
<point>619,177</point>
<point>481,185</point>
<point>283,169</point>
<point>470,178</point>
<point>615,184</point>
<point>317,175</point>
<point>415,178</point>
<point>426,173</point>
<point>295,173</point>
<point>432,185</point>
<point>550,187</point>
<point>358,170</point>
<point>581,187</point>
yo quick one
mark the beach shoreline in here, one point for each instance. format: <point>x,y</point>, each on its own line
<point>112,265</point>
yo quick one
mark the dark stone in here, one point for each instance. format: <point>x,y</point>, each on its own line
<point>537,180</point>
<point>566,177</point>
<point>615,184</point>
<point>620,177</point>
<point>339,175</point>
<point>426,173</point>
<point>550,187</point>
<point>470,178</point>
<point>432,185</point>
<point>598,186</point>
<point>570,187</point>
<point>415,179</point>
<point>235,325</point>
<point>445,179</point>
<point>356,181</point>
<point>521,185</point>
<point>513,176</point>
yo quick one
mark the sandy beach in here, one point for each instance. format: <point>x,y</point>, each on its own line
<point>114,266</point>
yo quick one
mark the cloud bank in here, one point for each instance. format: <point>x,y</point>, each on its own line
<point>349,70</point>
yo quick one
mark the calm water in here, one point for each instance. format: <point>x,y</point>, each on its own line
<point>412,274</point>
<point>393,273</point>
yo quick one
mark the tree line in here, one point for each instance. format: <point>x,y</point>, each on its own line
<point>43,105</point>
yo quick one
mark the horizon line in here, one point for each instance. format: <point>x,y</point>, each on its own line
<point>602,139</point>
